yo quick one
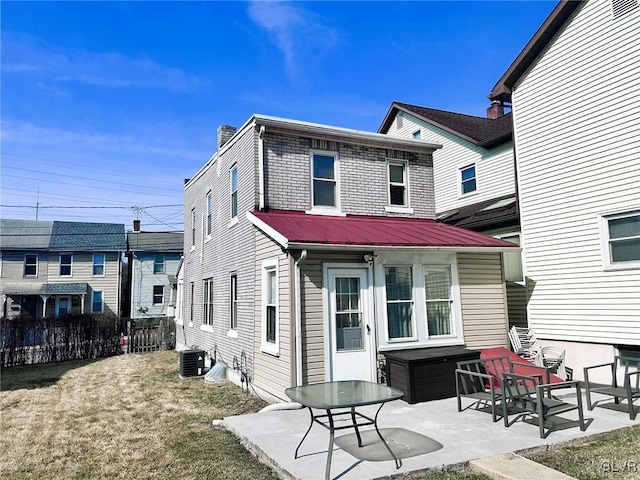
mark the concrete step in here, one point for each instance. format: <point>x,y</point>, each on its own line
<point>510,466</point>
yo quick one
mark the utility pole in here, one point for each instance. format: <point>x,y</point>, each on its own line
<point>37,203</point>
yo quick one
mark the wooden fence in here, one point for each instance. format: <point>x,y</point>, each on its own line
<point>150,337</point>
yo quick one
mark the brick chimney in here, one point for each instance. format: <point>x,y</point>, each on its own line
<point>225,132</point>
<point>136,226</point>
<point>495,110</point>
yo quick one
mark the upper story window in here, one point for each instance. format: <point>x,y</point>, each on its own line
<point>324,166</point>
<point>158,264</point>
<point>158,294</point>
<point>417,135</point>
<point>207,301</point>
<point>66,260</point>
<point>398,184</point>
<point>98,264</point>
<point>30,265</point>
<point>399,290</point>
<point>97,302</point>
<point>209,212</point>
<point>234,191</point>
<point>468,180</point>
<point>621,240</point>
<point>193,227</point>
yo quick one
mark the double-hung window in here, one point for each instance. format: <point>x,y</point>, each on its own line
<point>622,240</point>
<point>98,264</point>
<point>270,336</point>
<point>468,182</point>
<point>209,212</point>
<point>233,301</point>
<point>158,294</point>
<point>193,227</point>
<point>324,166</point>
<point>31,265</point>
<point>399,289</point>
<point>158,264</point>
<point>207,299</point>
<point>234,191</point>
<point>66,260</point>
<point>437,286</point>
<point>97,302</point>
<point>398,184</point>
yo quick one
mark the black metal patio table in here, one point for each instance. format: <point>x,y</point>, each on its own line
<point>340,399</point>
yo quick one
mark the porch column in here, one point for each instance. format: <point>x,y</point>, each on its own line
<point>44,304</point>
<point>82,303</point>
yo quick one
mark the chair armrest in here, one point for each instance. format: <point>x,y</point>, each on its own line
<point>474,374</point>
<point>610,364</point>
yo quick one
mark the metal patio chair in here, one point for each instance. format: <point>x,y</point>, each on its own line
<point>626,368</point>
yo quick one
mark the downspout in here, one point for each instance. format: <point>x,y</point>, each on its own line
<point>298,286</point>
<point>261,168</point>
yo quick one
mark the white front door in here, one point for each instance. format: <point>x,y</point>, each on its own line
<point>352,353</point>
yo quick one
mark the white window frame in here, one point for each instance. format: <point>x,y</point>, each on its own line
<point>93,301</point>
<point>70,264</point>
<point>325,209</point>
<point>461,181</point>
<point>24,267</point>
<point>272,348</point>
<point>57,306</point>
<point>193,228</point>
<point>207,302</point>
<point>417,135</point>
<point>192,302</point>
<point>209,220</point>
<point>153,295</point>
<point>233,193</point>
<point>233,301</point>
<point>398,208</point>
<point>608,262</point>
<point>433,300</point>
<point>102,264</point>
<point>163,263</point>
<point>414,329</point>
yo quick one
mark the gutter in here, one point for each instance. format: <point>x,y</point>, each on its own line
<point>261,168</point>
<point>297,287</point>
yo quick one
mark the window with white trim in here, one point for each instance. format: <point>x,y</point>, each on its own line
<point>207,301</point>
<point>234,191</point>
<point>324,168</point>
<point>158,294</point>
<point>158,263</point>
<point>97,302</point>
<point>622,240</point>
<point>66,262</point>
<point>439,301</point>
<point>416,135</point>
<point>398,185</point>
<point>468,182</point>
<point>30,265</point>
<point>192,297</point>
<point>209,212</point>
<point>193,227</point>
<point>399,289</point>
<point>270,322</point>
<point>233,301</point>
<point>98,264</point>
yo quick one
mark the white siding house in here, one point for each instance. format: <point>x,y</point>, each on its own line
<point>576,106</point>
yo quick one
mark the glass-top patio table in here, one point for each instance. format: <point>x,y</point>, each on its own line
<point>343,395</point>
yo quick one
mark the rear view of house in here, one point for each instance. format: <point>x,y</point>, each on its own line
<point>312,250</point>
<point>55,268</point>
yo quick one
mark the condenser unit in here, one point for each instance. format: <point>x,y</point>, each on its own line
<point>191,363</point>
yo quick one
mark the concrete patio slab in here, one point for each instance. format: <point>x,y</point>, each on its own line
<point>273,436</point>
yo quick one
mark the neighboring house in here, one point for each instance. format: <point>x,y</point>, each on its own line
<point>474,177</point>
<point>311,249</point>
<point>54,268</point>
<point>574,90</point>
<point>153,261</point>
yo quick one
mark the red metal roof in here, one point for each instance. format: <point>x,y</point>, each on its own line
<point>293,227</point>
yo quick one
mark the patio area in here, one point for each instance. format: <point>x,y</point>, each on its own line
<point>428,435</point>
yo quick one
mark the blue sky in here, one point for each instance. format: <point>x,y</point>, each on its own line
<point>108,106</point>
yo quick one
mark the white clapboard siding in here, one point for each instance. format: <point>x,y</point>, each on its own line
<point>494,167</point>
<point>577,118</point>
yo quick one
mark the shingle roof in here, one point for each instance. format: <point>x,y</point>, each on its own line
<point>44,288</point>
<point>497,212</point>
<point>297,229</point>
<point>61,236</point>
<point>155,241</point>
<point>481,131</point>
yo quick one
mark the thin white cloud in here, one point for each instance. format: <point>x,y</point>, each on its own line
<point>30,56</point>
<point>298,33</point>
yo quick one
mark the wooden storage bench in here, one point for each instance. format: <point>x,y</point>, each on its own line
<point>426,373</point>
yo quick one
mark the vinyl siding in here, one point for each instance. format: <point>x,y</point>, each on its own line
<point>494,167</point>
<point>577,112</point>
<point>274,373</point>
<point>144,279</point>
<point>483,298</point>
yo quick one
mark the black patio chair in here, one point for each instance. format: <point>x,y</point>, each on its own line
<point>626,368</point>
<point>474,380</point>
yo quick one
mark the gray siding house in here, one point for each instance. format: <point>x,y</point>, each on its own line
<point>153,260</point>
<point>311,250</point>
<point>54,268</point>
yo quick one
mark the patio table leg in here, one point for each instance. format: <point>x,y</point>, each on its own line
<point>355,425</point>
<point>305,435</point>
<point>384,442</point>
<point>327,471</point>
